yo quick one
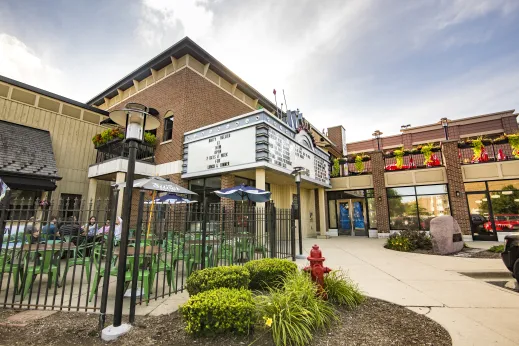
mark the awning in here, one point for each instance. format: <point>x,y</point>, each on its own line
<point>28,183</point>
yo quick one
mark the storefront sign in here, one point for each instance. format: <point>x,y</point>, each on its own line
<point>224,150</point>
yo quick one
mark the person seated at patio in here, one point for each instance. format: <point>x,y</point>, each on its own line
<point>71,228</point>
<point>118,228</point>
<point>105,229</point>
<point>32,229</point>
<point>51,230</point>
<point>89,229</point>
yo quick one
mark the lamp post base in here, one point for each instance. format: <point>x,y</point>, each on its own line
<point>111,333</point>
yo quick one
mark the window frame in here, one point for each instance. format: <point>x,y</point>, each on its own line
<point>167,133</point>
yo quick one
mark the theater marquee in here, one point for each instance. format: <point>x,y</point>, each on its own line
<point>253,140</point>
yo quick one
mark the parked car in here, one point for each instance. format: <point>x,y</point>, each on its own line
<point>510,255</point>
<point>478,223</point>
<point>504,223</point>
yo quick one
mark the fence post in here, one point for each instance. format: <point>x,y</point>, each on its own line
<point>204,232</point>
<point>293,232</point>
<point>108,261</point>
<point>272,230</point>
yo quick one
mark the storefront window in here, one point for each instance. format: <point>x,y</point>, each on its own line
<point>205,188</point>
<point>357,205</point>
<point>413,208</point>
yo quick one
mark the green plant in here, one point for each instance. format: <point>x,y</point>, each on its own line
<point>427,153</point>
<point>477,148</point>
<point>513,140</point>
<point>211,278</point>
<point>419,240</point>
<point>107,135</point>
<point>399,156</point>
<point>295,311</point>
<point>269,272</point>
<point>150,138</point>
<point>497,248</point>
<point>341,290</point>
<point>336,168</point>
<point>359,164</point>
<point>218,311</point>
<point>398,243</point>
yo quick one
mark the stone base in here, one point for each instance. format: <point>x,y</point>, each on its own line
<point>332,233</point>
<point>323,236</point>
<point>467,237</point>
<point>111,333</point>
<point>383,235</point>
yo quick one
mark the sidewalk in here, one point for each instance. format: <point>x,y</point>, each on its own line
<point>473,311</point>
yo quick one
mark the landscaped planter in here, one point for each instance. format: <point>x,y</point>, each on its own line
<point>373,233</point>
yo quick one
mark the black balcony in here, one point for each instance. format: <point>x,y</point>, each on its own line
<point>118,148</point>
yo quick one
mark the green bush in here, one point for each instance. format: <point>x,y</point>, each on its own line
<point>398,243</point>
<point>219,311</point>
<point>211,278</point>
<point>341,290</point>
<point>295,311</point>
<point>408,240</point>
<point>497,248</point>
<point>269,272</point>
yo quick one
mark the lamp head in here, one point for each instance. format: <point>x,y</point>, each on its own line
<point>444,122</point>
<point>136,119</point>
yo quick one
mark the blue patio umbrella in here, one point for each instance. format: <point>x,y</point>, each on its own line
<point>244,193</point>
<point>170,198</point>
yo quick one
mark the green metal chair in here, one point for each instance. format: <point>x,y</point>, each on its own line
<point>226,253</point>
<point>162,265</point>
<point>242,246</point>
<point>6,260</point>
<point>194,257</point>
<point>44,265</point>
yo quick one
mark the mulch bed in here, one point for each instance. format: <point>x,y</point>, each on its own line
<point>465,252</point>
<point>375,322</point>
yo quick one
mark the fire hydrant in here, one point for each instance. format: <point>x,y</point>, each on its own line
<point>317,270</point>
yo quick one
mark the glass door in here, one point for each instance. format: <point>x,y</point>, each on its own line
<point>359,220</point>
<point>482,222</point>
<point>344,218</point>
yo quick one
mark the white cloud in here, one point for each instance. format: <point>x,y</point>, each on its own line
<point>163,20</point>
<point>17,61</point>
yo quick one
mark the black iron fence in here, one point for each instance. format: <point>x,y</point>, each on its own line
<point>414,161</point>
<point>489,153</point>
<point>47,262</point>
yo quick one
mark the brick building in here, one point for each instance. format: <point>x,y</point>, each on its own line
<point>466,168</point>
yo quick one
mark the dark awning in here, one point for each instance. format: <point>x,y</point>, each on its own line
<point>29,183</point>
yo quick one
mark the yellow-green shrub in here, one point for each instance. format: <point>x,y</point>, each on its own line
<point>211,278</point>
<point>269,272</point>
<point>218,311</point>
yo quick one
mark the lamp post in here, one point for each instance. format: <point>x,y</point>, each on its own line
<point>136,118</point>
<point>377,135</point>
<point>297,176</point>
<point>445,124</point>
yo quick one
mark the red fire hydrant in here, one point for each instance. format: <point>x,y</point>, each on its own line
<point>317,270</point>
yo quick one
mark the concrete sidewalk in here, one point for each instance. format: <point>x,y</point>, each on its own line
<point>473,311</point>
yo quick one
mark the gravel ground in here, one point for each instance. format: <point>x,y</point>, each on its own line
<point>375,322</point>
<point>465,252</point>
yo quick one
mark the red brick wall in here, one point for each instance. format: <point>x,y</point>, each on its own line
<point>379,186</point>
<point>510,124</point>
<point>335,135</point>
<point>470,129</point>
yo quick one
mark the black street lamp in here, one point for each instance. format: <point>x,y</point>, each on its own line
<point>297,175</point>
<point>377,135</point>
<point>136,119</point>
<point>445,124</point>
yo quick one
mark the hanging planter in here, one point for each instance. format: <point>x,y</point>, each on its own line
<point>399,156</point>
<point>503,139</point>
<point>514,143</point>
<point>359,164</point>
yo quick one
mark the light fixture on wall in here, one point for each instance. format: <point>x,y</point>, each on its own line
<point>379,198</point>
<point>445,124</point>
<point>377,135</point>
<point>458,193</point>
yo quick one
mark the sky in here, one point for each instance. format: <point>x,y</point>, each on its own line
<point>362,64</point>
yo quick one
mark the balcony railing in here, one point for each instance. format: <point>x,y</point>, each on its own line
<point>348,167</point>
<point>118,148</point>
<point>413,161</point>
<point>491,152</point>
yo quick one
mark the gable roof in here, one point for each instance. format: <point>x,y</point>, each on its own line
<point>26,151</point>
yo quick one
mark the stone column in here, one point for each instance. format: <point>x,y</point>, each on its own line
<point>379,185</point>
<point>92,189</point>
<point>456,187</point>
<point>119,178</point>
<point>260,183</point>
<point>320,210</point>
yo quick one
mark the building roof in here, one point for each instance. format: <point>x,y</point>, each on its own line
<point>51,95</point>
<point>26,151</point>
<point>178,50</point>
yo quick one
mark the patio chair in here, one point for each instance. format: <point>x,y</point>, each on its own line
<point>194,257</point>
<point>162,265</point>
<point>42,265</point>
<point>244,246</point>
<point>14,270</point>
<point>226,253</point>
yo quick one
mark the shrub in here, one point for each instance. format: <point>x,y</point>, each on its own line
<point>497,248</point>
<point>398,243</point>
<point>269,272</point>
<point>341,290</point>
<point>295,311</point>
<point>218,311</point>
<point>418,239</point>
<point>211,278</point>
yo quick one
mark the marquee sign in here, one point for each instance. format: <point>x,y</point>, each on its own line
<point>253,140</point>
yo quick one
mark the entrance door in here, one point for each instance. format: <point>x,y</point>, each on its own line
<point>359,221</point>
<point>482,222</point>
<point>344,218</point>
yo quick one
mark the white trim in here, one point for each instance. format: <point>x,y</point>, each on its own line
<point>228,120</point>
<point>174,167</point>
<point>166,142</point>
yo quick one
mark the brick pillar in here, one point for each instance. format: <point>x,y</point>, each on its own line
<point>227,181</point>
<point>407,140</point>
<point>379,185</point>
<point>459,207</point>
<point>510,124</point>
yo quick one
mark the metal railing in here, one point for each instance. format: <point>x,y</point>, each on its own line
<point>414,161</point>
<point>119,148</point>
<point>49,263</point>
<point>352,168</point>
<point>491,153</point>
